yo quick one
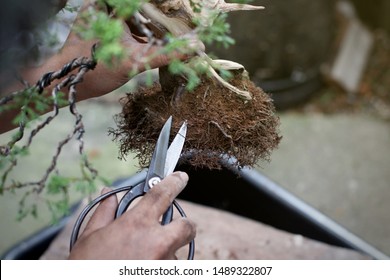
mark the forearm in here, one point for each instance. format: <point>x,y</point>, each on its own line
<point>97,82</point>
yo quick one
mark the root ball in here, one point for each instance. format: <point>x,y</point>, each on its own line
<point>219,123</point>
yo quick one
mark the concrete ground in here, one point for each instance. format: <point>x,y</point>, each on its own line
<point>339,164</point>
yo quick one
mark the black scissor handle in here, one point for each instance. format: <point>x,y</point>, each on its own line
<point>132,194</point>
<point>128,198</point>
<point>168,215</point>
<point>77,226</point>
<point>138,191</point>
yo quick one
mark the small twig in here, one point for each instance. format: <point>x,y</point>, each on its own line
<point>4,100</point>
<point>5,175</point>
<point>78,116</point>
<point>84,65</point>
<point>206,93</point>
<point>140,22</point>
<point>55,111</point>
<point>46,80</point>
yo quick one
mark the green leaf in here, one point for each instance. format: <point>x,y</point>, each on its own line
<point>85,187</point>
<point>57,184</point>
<point>61,99</point>
<point>108,31</point>
<point>58,209</point>
<point>124,8</point>
<point>225,74</point>
<point>24,209</point>
<point>217,32</point>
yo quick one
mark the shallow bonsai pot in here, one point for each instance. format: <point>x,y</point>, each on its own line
<point>246,192</point>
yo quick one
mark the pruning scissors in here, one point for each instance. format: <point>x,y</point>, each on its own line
<point>163,163</point>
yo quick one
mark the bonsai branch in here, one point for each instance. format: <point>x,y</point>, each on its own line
<point>71,80</point>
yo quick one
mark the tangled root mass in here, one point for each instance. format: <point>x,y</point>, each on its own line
<point>219,123</point>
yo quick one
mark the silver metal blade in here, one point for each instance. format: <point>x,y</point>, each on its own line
<point>174,151</point>
<point>157,164</point>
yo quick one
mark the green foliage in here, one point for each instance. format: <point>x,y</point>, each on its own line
<point>8,162</point>
<point>124,8</point>
<point>217,33</point>
<point>26,210</point>
<point>243,1</point>
<point>225,74</point>
<point>108,31</point>
<point>32,104</point>
<point>174,44</point>
<point>58,200</point>
<point>179,67</point>
<point>58,209</point>
<point>70,8</point>
<point>192,70</point>
<point>57,184</point>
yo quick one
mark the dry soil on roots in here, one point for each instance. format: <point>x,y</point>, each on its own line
<point>219,122</point>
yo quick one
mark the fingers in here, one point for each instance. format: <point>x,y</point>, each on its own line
<point>159,60</point>
<point>157,200</point>
<point>103,215</point>
<point>180,232</point>
<point>145,56</point>
<point>154,58</point>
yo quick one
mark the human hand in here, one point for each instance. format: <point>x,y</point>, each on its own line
<point>140,55</point>
<point>137,234</point>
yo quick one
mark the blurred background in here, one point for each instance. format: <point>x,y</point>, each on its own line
<point>326,65</point>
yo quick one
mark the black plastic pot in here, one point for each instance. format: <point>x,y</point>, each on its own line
<point>249,193</point>
<point>245,192</point>
<point>287,93</point>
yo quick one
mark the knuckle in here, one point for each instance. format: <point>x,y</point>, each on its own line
<point>186,230</point>
<point>164,194</point>
<point>189,227</point>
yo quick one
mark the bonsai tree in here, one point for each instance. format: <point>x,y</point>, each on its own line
<point>227,114</point>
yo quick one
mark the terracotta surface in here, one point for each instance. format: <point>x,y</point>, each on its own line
<point>222,235</point>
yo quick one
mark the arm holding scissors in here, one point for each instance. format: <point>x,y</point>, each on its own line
<point>137,234</point>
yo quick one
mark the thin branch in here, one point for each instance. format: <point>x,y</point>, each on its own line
<point>84,65</point>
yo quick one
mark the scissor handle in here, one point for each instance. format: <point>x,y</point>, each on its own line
<point>131,195</point>
<point>87,209</point>
<point>137,192</point>
<point>168,215</point>
<point>128,198</point>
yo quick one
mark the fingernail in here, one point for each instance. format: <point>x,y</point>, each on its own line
<point>183,176</point>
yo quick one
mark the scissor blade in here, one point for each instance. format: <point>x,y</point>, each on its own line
<point>157,164</point>
<point>174,150</point>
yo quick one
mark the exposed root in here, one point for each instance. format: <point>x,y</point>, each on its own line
<point>219,123</point>
<point>221,129</point>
